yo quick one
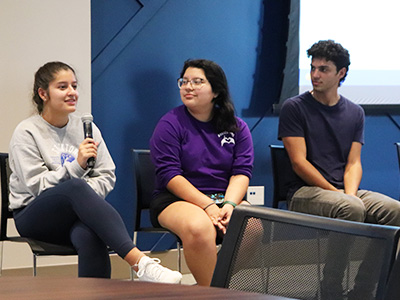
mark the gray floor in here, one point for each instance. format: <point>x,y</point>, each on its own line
<point>188,279</point>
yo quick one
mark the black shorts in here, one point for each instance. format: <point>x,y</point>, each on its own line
<point>164,199</point>
<point>159,203</point>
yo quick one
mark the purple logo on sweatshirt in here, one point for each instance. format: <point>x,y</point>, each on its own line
<point>227,138</point>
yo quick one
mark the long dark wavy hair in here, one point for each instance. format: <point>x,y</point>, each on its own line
<point>46,74</point>
<point>224,110</point>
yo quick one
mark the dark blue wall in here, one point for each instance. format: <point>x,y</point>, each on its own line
<point>138,49</point>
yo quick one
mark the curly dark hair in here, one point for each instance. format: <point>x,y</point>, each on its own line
<point>224,110</point>
<point>43,77</point>
<point>331,51</point>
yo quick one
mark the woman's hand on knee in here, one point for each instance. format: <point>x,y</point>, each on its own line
<point>213,213</point>
<point>225,215</point>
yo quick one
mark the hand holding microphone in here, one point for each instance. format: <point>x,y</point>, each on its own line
<point>87,120</point>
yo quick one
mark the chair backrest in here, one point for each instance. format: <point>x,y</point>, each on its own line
<point>144,181</point>
<point>398,152</point>
<point>393,287</point>
<point>5,212</point>
<point>283,253</point>
<point>283,174</point>
<point>37,247</point>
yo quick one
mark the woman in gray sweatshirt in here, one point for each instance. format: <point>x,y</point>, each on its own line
<point>55,196</point>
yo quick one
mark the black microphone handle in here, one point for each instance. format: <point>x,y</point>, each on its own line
<point>87,128</point>
<point>90,162</point>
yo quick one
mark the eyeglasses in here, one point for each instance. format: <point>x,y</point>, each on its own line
<point>196,83</point>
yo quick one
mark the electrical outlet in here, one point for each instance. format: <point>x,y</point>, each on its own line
<point>255,195</point>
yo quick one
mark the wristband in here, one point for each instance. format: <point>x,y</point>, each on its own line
<point>208,205</point>
<point>229,202</point>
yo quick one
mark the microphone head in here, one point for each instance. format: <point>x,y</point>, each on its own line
<point>87,118</point>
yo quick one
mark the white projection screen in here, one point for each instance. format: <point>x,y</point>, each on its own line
<point>370,31</point>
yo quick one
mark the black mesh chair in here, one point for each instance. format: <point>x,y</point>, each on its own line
<point>398,152</point>
<point>290,257</point>
<point>144,184</point>
<point>38,248</point>
<point>393,287</point>
<point>283,175</point>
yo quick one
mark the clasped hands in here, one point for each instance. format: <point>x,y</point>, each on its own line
<point>220,217</point>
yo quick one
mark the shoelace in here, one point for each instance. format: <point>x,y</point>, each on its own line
<point>157,268</point>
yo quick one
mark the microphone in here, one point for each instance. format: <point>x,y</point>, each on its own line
<point>87,120</point>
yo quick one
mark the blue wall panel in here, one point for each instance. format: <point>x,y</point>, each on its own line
<point>108,18</point>
<point>379,156</point>
<point>138,50</point>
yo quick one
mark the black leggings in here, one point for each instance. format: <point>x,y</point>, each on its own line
<point>73,213</point>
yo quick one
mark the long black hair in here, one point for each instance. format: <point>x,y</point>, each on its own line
<point>224,110</point>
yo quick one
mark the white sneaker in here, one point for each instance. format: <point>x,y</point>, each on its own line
<point>149,269</point>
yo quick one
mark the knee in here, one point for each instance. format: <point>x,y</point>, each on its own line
<point>390,215</point>
<point>77,189</point>
<point>351,209</point>
<point>199,233</point>
<point>392,218</point>
<point>77,184</point>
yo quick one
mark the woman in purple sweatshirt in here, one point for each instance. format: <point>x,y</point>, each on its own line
<point>204,157</point>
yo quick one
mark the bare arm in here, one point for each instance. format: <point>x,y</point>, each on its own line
<point>297,151</point>
<point>353,170</point>
<point>235,192</point>
<point>237,188</point>
<point>182,188</point>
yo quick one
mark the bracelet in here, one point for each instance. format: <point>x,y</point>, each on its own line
<point>229,202</point>
<point>208,205</point>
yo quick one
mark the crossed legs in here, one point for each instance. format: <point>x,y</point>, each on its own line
<point>72,213</point>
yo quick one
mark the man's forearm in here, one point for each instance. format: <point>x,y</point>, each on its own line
<point>310,175</point>
<point>352,178</point>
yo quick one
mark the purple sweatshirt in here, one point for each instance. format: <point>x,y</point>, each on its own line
<point>182,145</point>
